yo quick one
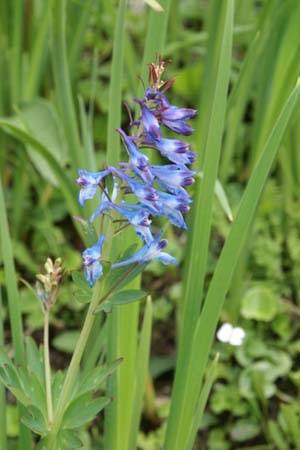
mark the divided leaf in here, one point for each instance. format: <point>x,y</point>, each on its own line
<point>83,410</point>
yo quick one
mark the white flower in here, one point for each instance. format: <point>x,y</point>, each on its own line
<point>231,335</point>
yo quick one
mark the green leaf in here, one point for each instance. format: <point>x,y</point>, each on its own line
<point>66,341</point>
<point>129,296</point>
<point>82,297</point>
<point>276,436</point>
<point>116,275</point>
<point>34,420</point>
<point>94,378</point>
<point>39,148</point>
<point>68,439</point>
<point>81,282</point>
<point>259,303</point>
<point>4,359</point>
<point>244,430</point>
<point>40,119</point>
<point>57,384</point>
<point>83,410</point>
<point>35,360</point>
<point>154,5</point>
<point>142,366</point>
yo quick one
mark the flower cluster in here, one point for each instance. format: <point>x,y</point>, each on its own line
<point>159,189</point>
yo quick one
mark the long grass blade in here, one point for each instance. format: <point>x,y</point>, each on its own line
<point>38,55</point>
<point>142,364</point>
<point>63,89</point>
<point>13,305</point>
<point>199,234</point>
<point>232,249</point>
<point>3,434</point>
<point>210,378</point>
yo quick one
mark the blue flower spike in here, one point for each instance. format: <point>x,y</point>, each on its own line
<point>157,190</point>
<point>91,261</point>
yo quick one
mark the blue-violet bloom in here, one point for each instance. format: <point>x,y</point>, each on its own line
<point>91,260</point>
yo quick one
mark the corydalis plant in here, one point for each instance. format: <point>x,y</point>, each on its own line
<point>159,190</point>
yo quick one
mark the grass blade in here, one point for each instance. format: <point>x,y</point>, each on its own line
<point>3,434</point>
<point>142,362</point>
<point>210,378</point>
<point>63,89</point>
<point>64,182</point>
<point>233,247</point>
<point>198,241</point>
<point>13,306</point>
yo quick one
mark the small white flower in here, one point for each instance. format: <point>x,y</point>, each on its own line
<point>231,335</point>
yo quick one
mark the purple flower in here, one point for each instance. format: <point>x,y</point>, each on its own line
<point>139,162</point>
<point>175,150</point>
<point>149,252</point>
<point>89,182</point>
<point>146,194</point>
<point>178,126</point>
<point>105,203</point>
<point>173,177</point>
<point>172,206</point>
<point>173,113</point>
<point>91,260</point>
<point>149,121</point>
<point>139,219</point>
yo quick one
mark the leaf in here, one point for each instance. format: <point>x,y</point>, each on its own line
<point>154,5</point>
<point>66,341</point>
<point>34,420</point>
<point>82,297</point>
<point>39,148</point>
<point>117,274</point>
<point>68,439</point>
<point>94,378</point>
<point>244,430</point>
<point>35,360</point>
<point>129,296</point>
<point>4,359</point>
<point>142,365</point>
<point>205,391</point>
<point>222,197</point>
<point>259,303</point>
<point>81,282</point>
<point>276,436</point>
<point>83,410</point>
<point>57,384</point>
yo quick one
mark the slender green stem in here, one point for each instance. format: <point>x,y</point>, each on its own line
<point>74,366</point>
<point>48,367</point>
<point>77,355</point>
<point>3,439</point>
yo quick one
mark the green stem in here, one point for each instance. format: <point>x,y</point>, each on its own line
<point>74,366</point>
<point>77,356</point>
<point>48,367</point>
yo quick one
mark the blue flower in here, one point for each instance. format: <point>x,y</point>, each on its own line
<point>105,203</point>
<point>149,121</point>
<point>150,251</point>
<point>139,219</point>
<point>173,177</point>
<point>89,182</point>
<point>175,150</point>
<point>146,194</point>
<point>91,260</point>
<point>172,206</point>
<point>139,162</point>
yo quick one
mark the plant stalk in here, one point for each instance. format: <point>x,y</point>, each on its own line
<point>48,367</point>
